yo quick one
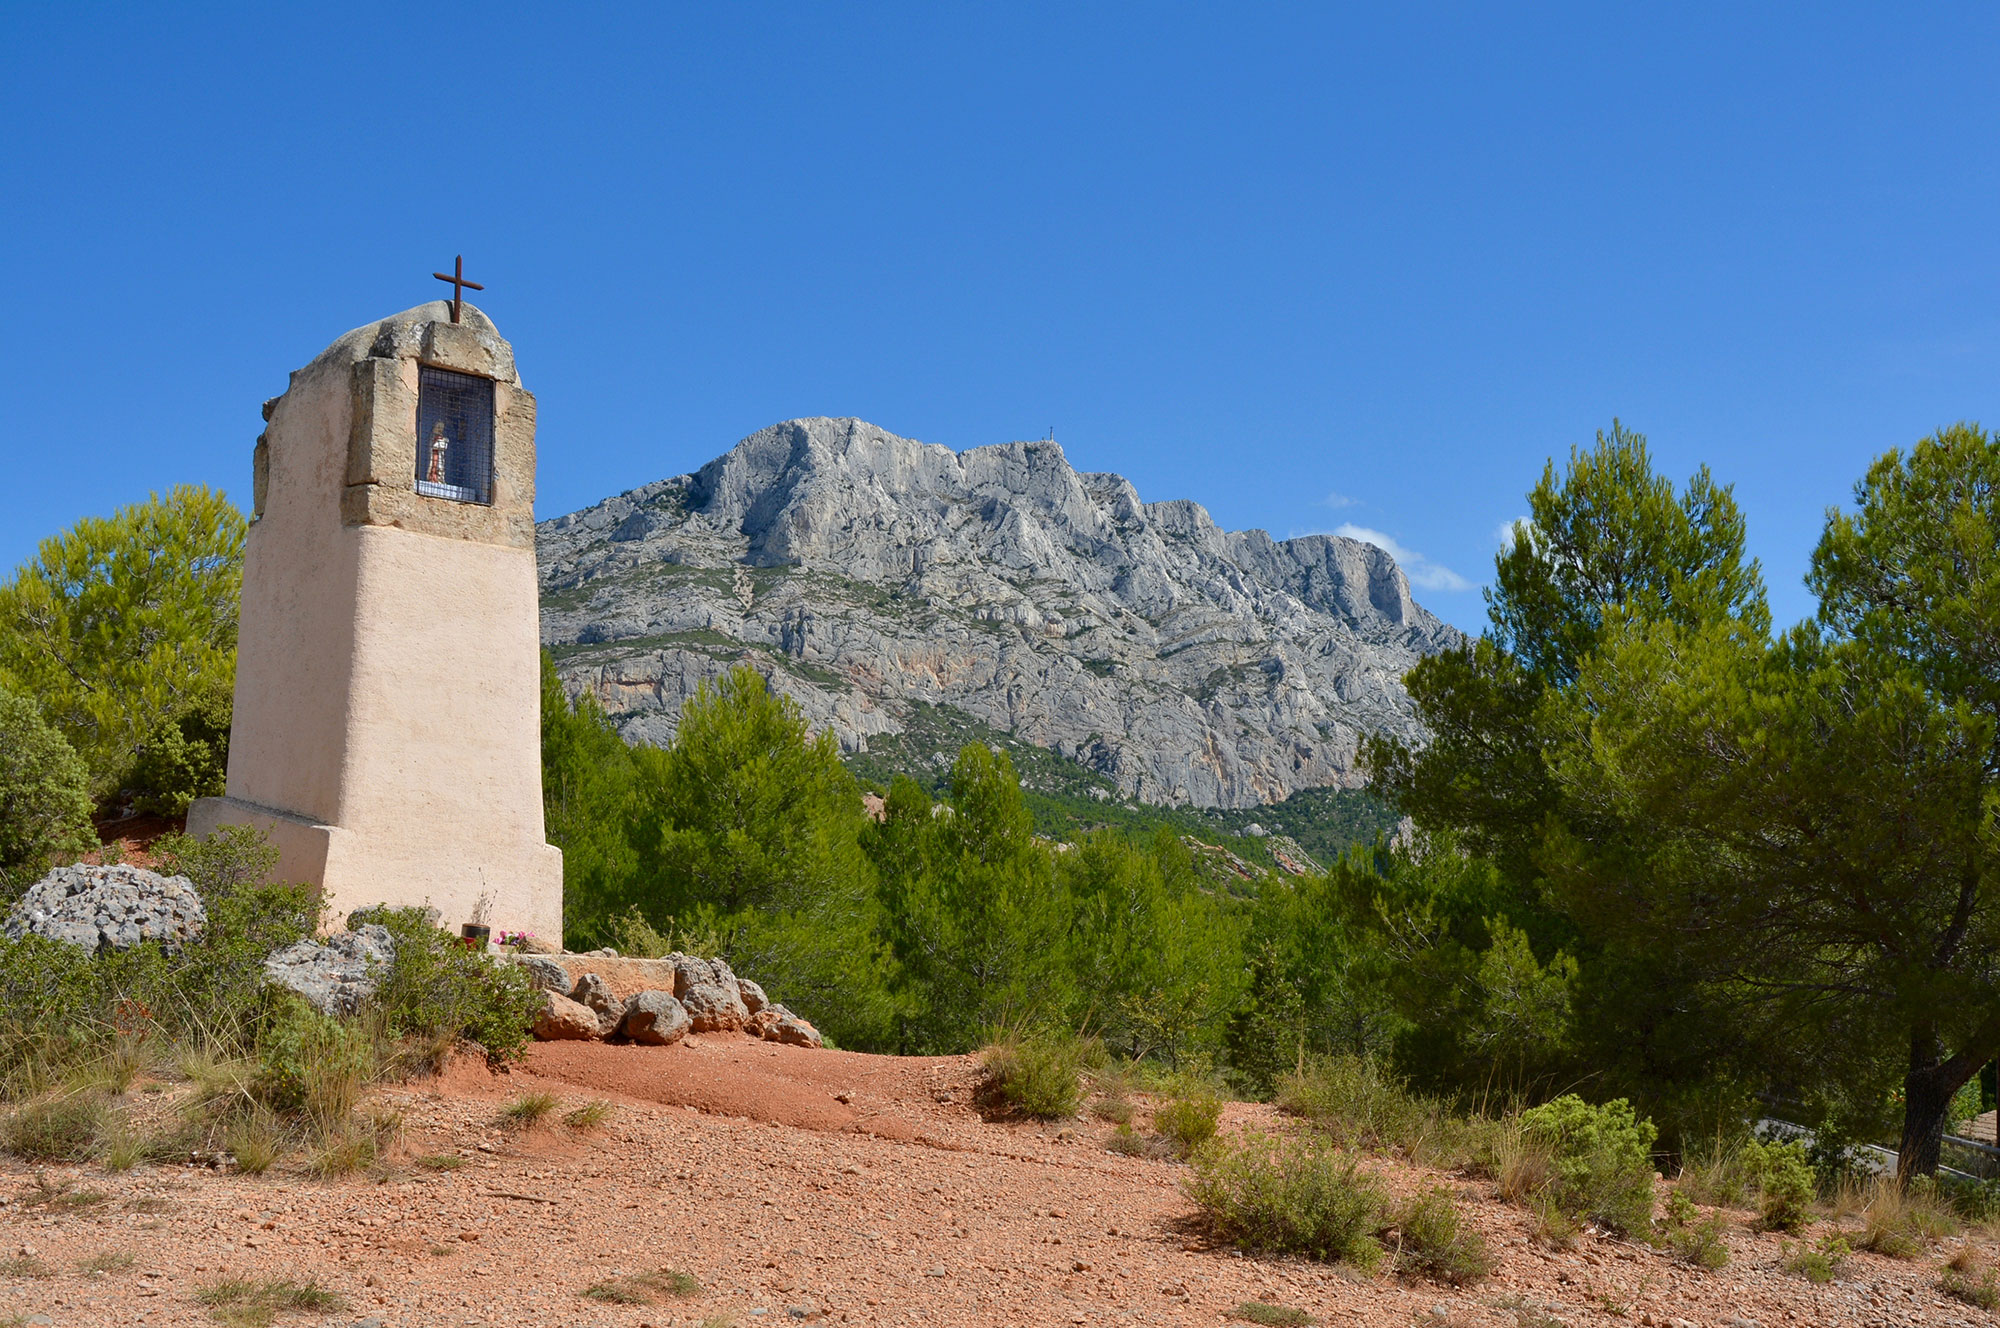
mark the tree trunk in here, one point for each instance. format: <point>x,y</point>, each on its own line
<point>1928,1088</point>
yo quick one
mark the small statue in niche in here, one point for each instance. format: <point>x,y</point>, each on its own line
<point>439,446</point>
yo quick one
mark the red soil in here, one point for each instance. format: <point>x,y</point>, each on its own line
<point>846,1188</point>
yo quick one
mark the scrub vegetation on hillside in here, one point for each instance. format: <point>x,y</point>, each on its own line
<point>1670,866</point>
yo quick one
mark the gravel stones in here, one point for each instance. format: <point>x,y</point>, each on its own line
<point>109,908</point>
<point>563,1020</point>
<point>338,974</point>
<point>655,1019</point>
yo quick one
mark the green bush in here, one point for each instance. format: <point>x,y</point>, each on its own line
<point>313,1065</point>
<point>1283,1195</point>
<point>1603,1160</point>
<point>1433,1240</point>
<point>1817,1264</point>
<point>1786,1184</point>
<point>1696,1241</point>
<point>438,991</point>
<point>1188,1119</point>
<point>1360,1104</point>
<point>1975,1285</point>
<point>185,755</point>
<point>1041,1074</point>
<point>44,797</point>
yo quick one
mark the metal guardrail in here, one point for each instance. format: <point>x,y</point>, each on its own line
<point>1885,1158</point>
<point>1961,1141</point>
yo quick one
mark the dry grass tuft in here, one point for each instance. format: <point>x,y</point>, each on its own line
<point>59,1197</point>
<point>1900,1221</point>
<point>643,1288</point>
<point>243,1303</point>
<point>589,1116</point>
<point>529,1110</point>
<point>107,1261</point>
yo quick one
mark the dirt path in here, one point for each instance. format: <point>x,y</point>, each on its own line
<point>813,1185</point>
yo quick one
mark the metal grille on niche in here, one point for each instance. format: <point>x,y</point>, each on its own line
<point>454,435</point>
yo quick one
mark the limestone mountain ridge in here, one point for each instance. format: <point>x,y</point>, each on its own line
<point>901,591</point>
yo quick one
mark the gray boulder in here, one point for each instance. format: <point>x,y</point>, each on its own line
<point>595,992</point>
<point>109,908</point>
<point>655,1019</point>
<point>338,974</point>
<point>562,1020</point>
<point>792,1030</point>
<point>752,995</point>
<point>714,1008</point>
<point>545,973</point>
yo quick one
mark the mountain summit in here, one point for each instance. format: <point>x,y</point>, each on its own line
<point>897,589</point>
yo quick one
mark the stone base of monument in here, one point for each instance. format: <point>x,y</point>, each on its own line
<point>521,883</point>
<point>654,1001</point>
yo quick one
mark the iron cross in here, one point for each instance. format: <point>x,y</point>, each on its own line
<point>457,279</point>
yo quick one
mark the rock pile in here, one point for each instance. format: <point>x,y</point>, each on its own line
<point>654,1002</point>
<point>338,974</point>
<point>109,908</point>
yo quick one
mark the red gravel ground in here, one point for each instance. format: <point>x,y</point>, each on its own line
<point>812,1185</point>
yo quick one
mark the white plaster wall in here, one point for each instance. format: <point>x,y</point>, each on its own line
<point>387,725</point>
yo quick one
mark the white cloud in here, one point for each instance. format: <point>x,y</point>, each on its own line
<point>1422,571</point>
<point>1337,500</point>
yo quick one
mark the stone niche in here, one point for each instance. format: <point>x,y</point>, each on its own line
<point>387,725</point>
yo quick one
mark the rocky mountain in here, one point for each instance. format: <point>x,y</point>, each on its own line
<point>908,595</point>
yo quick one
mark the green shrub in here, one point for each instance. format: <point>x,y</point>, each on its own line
<point>313,1066</point>
<point>1818,1264</point>
<point>1273,1316</point>
<point>1696,1241</point>
<point>439,989</point>
<point>228,861</point>
<point>1188,1120</point>
<point>1283,1195</point>
<point>1127,1141</point>
<point>1717,1174</point>
<point>1434,1241</point>
<point>63,1128</point>
<point>1603,1160</point>
<point>1971,1282</point>
<point>44,797</point>
<point>1359,1103</point>
<point>1785,1181</point>
<point>1041,1074</point>
<point>185,755</point>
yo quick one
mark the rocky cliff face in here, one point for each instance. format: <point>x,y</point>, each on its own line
<point>879,580</point>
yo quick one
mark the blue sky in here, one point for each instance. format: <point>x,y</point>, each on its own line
<point>1316,267</point>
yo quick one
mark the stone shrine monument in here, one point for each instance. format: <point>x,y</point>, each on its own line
<point>388,680</point>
